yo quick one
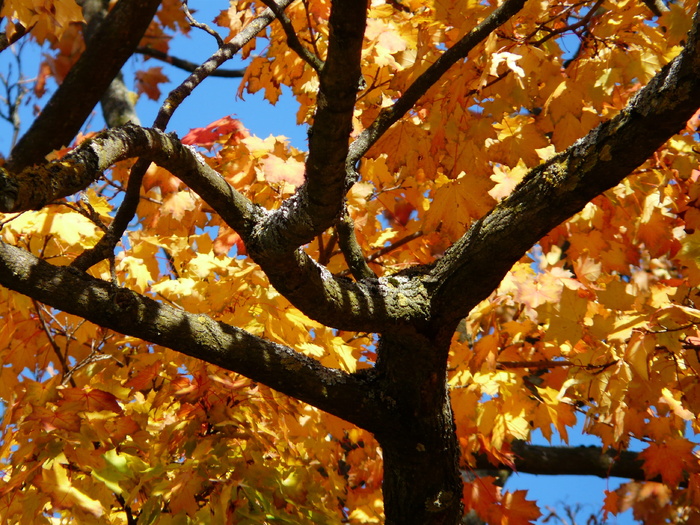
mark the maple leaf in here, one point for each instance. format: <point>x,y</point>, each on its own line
<point>668,459</point>
<point>92,400</point>
<point>506,180</point>
<point>55,480</point>
<point>225,130</point>
<point>603,320</point>
<point>147,81</point>
<point>283,170</point>
<point>517,510</point>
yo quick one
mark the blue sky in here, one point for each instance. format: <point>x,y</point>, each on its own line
<point>216,98</point>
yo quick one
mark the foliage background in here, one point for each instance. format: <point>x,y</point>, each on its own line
<point>262,120</point>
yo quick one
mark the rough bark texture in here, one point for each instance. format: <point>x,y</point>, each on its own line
<point>112,44</point>
<point>404,400</point>
<point>422,481</point>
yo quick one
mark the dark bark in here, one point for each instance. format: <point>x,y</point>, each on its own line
<point>348,396</point>
<point>422,482</point>
<point>117,105</point>
<point>404,400</point>
<point>186,65</point>
<point>561,187</point>
<point>113,43</point>
<point>319,202</point>
<point>588,461</point>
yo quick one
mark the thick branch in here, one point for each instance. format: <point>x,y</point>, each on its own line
<point>388,116</point>
<point>113,43</point>
<point>319,202</point>
<point>35,187</point>
<point>573,461</point>
<point>372,306</point>
<point>561,187</point>
<point>117,106</point>
<point>348,396</point>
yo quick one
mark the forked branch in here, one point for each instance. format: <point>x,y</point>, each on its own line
<point>388,116</point>
<point>348,396</point>
<point>557,189</point>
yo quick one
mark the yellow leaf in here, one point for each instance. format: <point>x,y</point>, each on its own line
<point>668,398</point>
<point>55,481</point>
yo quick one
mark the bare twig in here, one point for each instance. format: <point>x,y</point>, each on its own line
<point>389,248</point>
<point>583,22</point>
<point>52,342</point>
<point>224,53</point>
<point>200,25</point>
<point>186,65</point>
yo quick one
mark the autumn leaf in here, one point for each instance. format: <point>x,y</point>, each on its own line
<point>278,170</point>
<point>669,459</point>
<point>565,308</point>
<point>147,81</point>
<point>223,130</point>
<point>517,510</point>
<point>93,400</point>
<point>55,480</point>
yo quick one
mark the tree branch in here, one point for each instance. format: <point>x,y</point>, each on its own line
<point>113,43</point>
<point>388,116</point>
<point>318,202</point>
<point>292,40</point>
<point>573,461</point>
<point>221,55</point>
<point>557,189</point>
<point>105,247</point>
<point>372,306</point>
<point>348,396</point>
<point>352,251</point>
<point>186,65</point>
<point>117,107</point>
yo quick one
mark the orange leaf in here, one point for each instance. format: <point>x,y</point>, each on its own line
<point>668,459</point>
<point>279,170</point>
<point>91,400</point>
<point>517,510</point>
<point>147,82</point>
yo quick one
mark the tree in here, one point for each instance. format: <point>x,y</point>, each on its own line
<point>486,237</point>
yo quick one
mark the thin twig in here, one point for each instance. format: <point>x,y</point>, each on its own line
<point>386,249</point>
<point>581,23</point>
<point>224,53</point>
<point>391,247</point>
<point>93,357</point>
<point>200,25</point>
<point>186,65</point>
<point>312,36</point>
<point>52,342</point>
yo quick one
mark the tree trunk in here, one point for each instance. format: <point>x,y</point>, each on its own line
<point>422,483</point>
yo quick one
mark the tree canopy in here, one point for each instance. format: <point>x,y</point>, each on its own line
<point>492,232</point>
